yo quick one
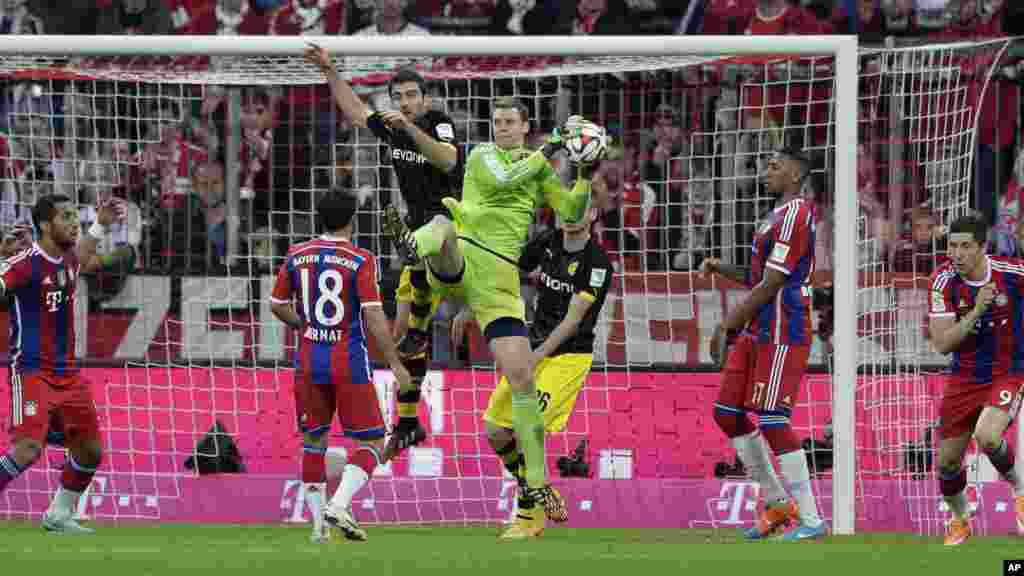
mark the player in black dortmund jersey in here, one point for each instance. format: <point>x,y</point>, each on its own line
<point>575,275</point>
<point>425,157</point>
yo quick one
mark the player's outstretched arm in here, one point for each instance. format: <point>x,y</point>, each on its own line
<point>947,333</point>
<point>281,298</point>
<point>106,214</point>
<point>287,314</point>
<point>344,96</point>
<point>571,204</point>
<point>485,166</point>
<point>762,294</point>
<point>711,266</point>
<point>378,325</point>
<point>578,308</point>
<point>441,155</point>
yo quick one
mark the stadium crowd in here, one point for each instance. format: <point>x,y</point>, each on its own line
<point>674,195</point>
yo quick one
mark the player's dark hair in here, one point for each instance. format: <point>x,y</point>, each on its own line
<point>45,209</point>
<point>408,75</point>
<point>512,103</point>
<point>970,224</point>
<point>797,155</point>
<point>336,209</point>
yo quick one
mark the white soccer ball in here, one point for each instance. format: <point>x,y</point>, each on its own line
<point>588,143</point>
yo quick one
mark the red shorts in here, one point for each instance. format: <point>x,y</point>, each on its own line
<point>40,400</point>
<point>762,377</point>
<point>356,405</point>
<point>963,401</point>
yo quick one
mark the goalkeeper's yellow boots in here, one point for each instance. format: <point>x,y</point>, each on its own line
<point>958,531</point>
<point>401,236</point>
<point>1019,509</point>
<point>529,524</point>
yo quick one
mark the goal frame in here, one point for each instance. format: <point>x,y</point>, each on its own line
<point>843,48</point>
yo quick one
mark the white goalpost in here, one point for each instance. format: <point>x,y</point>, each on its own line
<point>188,341</point>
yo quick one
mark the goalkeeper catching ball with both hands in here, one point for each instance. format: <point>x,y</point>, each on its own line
<point>474,257</point>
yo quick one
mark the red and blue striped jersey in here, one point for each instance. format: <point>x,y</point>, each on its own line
<point>42,317</point>
<point>784,242</point>
<point>996,346</point>
<point>331,280</point>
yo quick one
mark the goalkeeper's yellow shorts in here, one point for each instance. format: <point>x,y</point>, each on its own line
<point>558,379</point>
<point>488,285</point>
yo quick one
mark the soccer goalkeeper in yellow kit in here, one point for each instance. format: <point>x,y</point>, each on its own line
<point>476,260</point>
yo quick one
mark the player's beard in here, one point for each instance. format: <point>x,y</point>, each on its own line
<point>65,241</point>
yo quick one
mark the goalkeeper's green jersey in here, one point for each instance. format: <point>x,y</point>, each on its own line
<point>502,191</point>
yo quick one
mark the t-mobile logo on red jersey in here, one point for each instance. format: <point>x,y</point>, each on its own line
<point>54,299</point>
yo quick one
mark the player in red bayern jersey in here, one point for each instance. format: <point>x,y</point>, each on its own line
<point>976,311</point>
<point>768,360</point>
<point>334,286</point>
<point>47,392</point>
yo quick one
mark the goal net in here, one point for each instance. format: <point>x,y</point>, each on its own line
<point>919,115</point>
<point>224,147</point>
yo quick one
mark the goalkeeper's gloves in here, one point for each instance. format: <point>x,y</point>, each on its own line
<point>555,143</point>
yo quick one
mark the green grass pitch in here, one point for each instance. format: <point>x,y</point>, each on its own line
<point>139,549</point>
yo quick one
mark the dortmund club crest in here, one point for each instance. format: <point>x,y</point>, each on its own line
<point>572,268</point>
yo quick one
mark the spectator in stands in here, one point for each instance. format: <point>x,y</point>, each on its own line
<point>128,174</point>
<point>17,18</point>
<point>65,16</point>
<point>1009,217</point>
<point>389,18</point>
<point>664,168</point>
<point>970,19</point>
<point>763,17</point>
<point>257,121</point>
<point>629,220</point>
<point>147,17</point>
<point>866,19</point>
<point>600,17</point>
<point>665,159</point>
<point>770,95</point>
<point>309,17</point>
<point>221,18</point>
<point>168,159</point>
<point>900,17</point>
<point>922,251</point>
<point>464,17</point>
<point>591,17</point>
<point>726,17</point>
<point>208,185</point>
<point>690,220</point>
<point>510,17</point>
<point>37,164</point>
